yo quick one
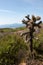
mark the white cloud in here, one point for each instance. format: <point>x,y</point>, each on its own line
<point>9,17</point>
<point>7,11</point>
<point>6,20</point>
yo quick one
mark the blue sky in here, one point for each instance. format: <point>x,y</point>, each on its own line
<point>13,11</point>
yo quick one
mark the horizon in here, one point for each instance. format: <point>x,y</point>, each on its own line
<point>14,11</point>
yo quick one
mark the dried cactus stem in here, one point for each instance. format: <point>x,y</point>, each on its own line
<point>31,42</point>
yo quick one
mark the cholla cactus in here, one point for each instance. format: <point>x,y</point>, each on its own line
<point>31,24</point>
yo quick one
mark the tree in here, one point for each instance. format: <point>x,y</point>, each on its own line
<point>31,24</point>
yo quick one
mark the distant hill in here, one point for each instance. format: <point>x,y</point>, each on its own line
<point>11,26</point>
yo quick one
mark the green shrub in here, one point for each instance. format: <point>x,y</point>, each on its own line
<point>38,44</point>
<point>12,49</point>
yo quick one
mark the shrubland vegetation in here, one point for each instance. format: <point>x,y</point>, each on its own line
<point>38,44</point>
<point>13,48</point>
<point>11,29</point>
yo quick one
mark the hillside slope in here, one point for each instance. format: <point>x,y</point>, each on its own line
<point>7,38</point>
